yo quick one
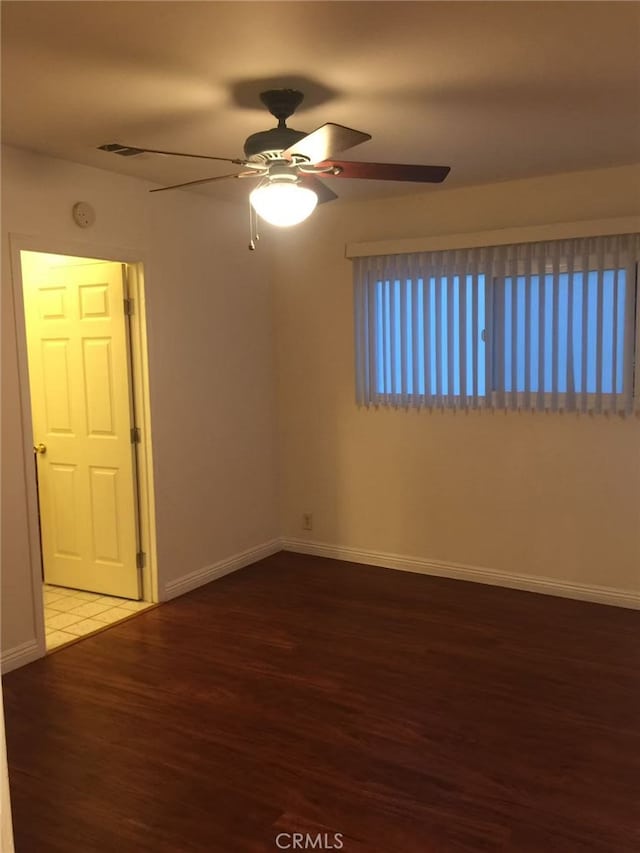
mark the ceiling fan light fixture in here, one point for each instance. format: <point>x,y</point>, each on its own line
<point>283,203</point>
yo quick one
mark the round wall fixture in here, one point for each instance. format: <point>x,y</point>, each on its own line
<point>83,214</point>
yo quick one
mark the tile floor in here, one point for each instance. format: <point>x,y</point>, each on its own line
<point>70,613</point>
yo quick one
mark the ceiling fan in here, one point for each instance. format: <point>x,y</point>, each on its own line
<point>287,163</point>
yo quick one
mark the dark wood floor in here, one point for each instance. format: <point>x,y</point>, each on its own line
<point>410,714</point>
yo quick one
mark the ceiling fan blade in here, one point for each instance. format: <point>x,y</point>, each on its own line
<point>323,192</point>
<point>201,181</point>
<point>325,141</point>
<point>130,151</point>
<point>388,171</point>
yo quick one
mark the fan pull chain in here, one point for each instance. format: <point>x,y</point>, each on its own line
<point>252,245</point>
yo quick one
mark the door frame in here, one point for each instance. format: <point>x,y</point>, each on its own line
<point>136,264</point>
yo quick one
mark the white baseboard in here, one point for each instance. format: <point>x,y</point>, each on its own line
<point>21,655</point>
<point>223,567</point>
<point>459,571</point>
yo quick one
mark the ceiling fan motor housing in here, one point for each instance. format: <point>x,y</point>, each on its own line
<point>269,144</point>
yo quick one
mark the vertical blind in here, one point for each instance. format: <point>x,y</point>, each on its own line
<point>536,325</point>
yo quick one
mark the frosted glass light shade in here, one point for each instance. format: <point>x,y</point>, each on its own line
<point>283,203</point>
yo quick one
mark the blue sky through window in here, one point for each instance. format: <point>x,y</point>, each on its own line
<point>568,342</point>
<point>419,309</point>
<point>413,321</point>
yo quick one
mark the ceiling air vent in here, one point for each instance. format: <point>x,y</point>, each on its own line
<point>122,150</point>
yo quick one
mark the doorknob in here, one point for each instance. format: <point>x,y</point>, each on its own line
<point>40,448</point>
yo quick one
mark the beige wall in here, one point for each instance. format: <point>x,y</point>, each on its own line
<point>209,318</point>
<point>545,495</point>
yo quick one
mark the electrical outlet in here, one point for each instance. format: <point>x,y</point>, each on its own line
<point>307,521</point>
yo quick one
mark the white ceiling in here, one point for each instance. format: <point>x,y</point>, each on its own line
<point>495,90</point>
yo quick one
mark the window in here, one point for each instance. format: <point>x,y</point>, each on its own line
<point>412,352</point>
<point>575,326</point>
<point>547,325</point>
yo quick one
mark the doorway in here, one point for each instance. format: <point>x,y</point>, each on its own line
<point>89,417</point>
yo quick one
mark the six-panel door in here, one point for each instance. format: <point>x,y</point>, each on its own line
<point>81,409</point>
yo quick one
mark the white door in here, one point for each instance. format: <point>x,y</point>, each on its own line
<point>77,341</point>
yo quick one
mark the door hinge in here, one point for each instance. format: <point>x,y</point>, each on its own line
<point>136,436</point>
<point>141,560</point>
<point>128,306</point>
